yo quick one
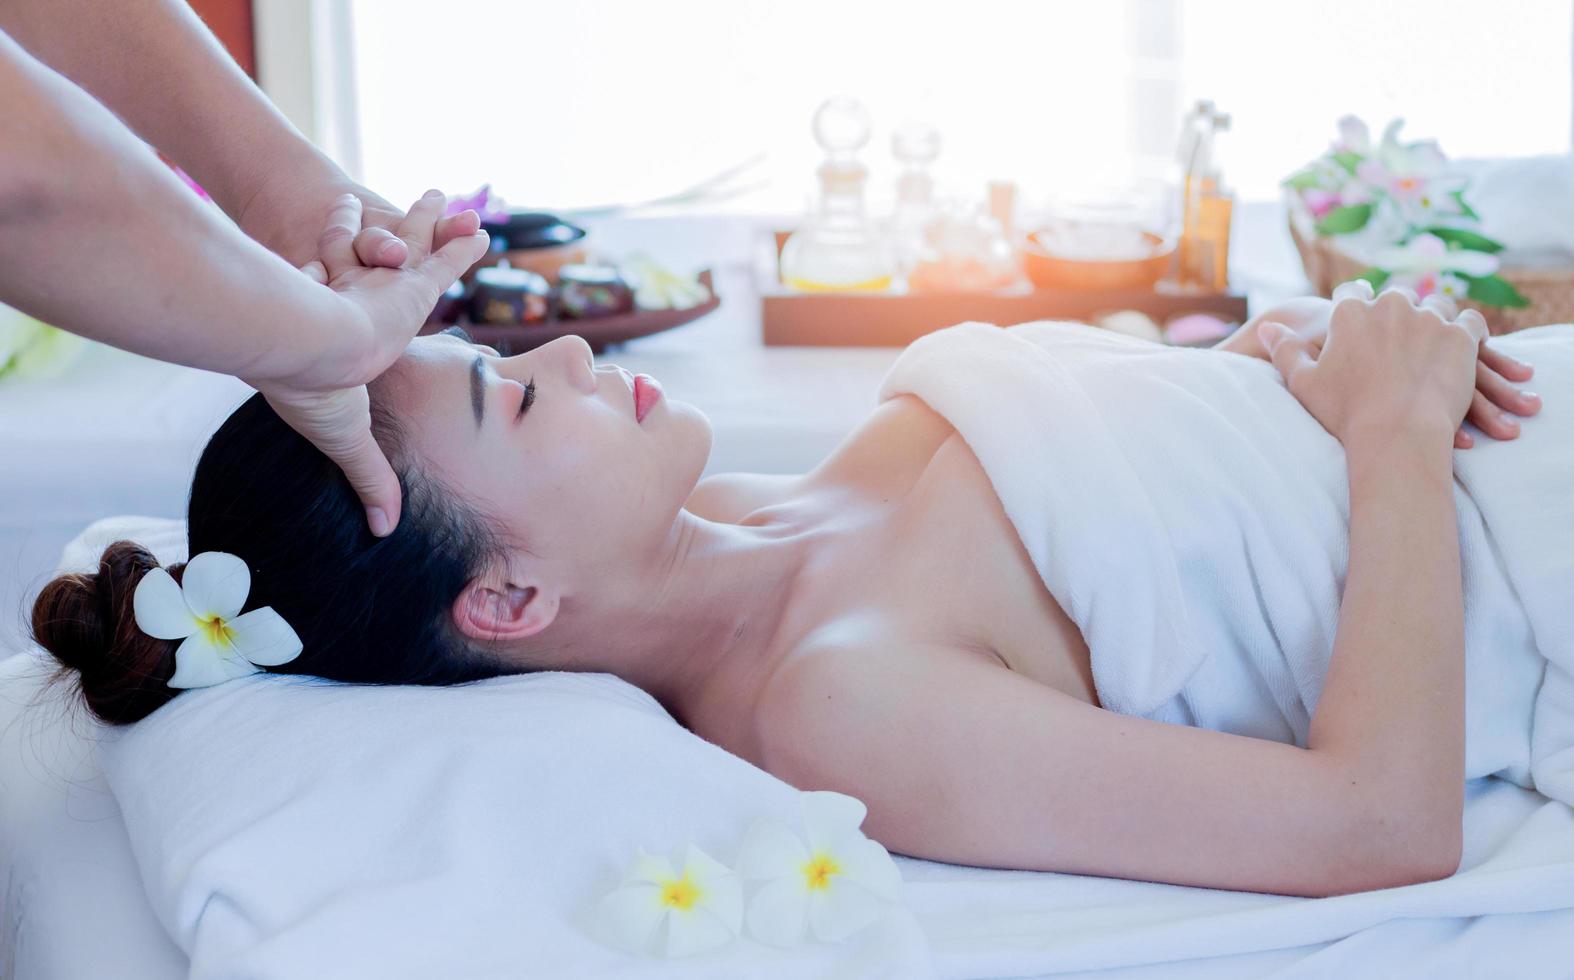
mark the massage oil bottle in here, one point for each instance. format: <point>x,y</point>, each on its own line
<point>1208,205</point>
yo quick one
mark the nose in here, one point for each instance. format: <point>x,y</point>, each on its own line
<point>572,356</point>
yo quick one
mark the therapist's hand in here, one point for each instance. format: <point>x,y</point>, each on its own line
<point>384,308</point>
<point>288,209</point>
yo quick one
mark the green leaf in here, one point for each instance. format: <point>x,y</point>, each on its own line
<point>1344,220</point>
<point>1348,160</point>
<point>1375,276</point>
<point>1466,209</point>
<point>1494,291</point>
<point>1461,238</point>
<point>1303,180</point>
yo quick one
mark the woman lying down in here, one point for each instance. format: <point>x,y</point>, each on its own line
<point>1245,618</point>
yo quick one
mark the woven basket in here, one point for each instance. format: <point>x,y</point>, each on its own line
<point>1549,289</point>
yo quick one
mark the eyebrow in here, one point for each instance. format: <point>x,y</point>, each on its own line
<point>478,388</point>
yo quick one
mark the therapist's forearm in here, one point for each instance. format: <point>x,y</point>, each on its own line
<point>164,73</point>
<point>99,237</point>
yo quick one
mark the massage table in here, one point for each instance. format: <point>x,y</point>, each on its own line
<point>73,905</point>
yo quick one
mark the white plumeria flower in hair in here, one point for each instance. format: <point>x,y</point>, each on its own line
<point>702,908</point>
<point>204,611</point>
<point>832,882</point>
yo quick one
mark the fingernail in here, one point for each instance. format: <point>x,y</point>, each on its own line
<point>434,192</point>
<point>1530,396</point>
<point>390,251</point>
<point>378,519</point>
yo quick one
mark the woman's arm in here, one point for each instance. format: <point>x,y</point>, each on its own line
<point>961,760</point>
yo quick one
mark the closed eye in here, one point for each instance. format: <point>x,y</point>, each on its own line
<point>527,400</point>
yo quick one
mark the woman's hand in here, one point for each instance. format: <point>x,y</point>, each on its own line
<point>384,308</point>
<point>1388,368</point>
<point>1497,374</point>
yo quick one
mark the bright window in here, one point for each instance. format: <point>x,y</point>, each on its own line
<point>570,104</point>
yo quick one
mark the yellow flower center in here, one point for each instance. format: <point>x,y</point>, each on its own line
<point>680,894</point>
<point>818,872</point>
<point>218,631</point>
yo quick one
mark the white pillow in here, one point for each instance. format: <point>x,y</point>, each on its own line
<point>289,826</point>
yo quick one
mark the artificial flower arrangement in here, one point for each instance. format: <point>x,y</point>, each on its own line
<point>1395,208</point>
<point>824,879</point>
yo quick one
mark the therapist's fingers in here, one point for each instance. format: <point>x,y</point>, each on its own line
<point>339,423</point>
<point>373,478</point>
<point>419,227</point>
<point>448,263</point>
<point>316,271</point>
<point>336,246</point>
<point>450,227</point>
<point>380,247</point>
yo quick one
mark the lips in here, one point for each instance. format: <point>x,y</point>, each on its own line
<point>647,391</point>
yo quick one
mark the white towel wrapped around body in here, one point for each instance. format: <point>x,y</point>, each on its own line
<point>1192,519</point>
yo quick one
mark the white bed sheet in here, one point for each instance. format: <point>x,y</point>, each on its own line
<point>74,905</point>
<point>71,899</point>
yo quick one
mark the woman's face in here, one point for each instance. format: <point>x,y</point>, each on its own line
<point>570,477</point>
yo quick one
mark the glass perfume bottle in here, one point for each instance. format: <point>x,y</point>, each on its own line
<point>838,248</point>
<point>915,146</point>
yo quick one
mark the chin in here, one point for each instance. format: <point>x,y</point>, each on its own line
<point>692,437</point>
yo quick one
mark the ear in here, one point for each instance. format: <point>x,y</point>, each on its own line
<point>499,610</point>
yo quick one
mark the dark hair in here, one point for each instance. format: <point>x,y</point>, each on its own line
<point>367,609</point>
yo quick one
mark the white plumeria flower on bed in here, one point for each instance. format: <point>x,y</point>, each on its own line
<point>203,610</point>
<point>702,907</point>
<point>831,881</point>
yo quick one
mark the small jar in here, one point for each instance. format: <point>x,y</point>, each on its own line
<point>505,296</point>
<point>586,292</point>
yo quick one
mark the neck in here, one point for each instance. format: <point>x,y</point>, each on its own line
<point>705,607</point>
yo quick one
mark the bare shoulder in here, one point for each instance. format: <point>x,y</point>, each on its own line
<point>730,496</point>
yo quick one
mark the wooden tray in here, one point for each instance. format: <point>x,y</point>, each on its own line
<point>792,318</point>
<point>599,333</point>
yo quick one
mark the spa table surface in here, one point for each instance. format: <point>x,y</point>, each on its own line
<point>119,434</point>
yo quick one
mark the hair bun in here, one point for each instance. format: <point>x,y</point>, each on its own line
<point>88,623</point>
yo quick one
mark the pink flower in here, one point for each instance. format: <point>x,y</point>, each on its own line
<point>1319,201</point>
<point>483,201</point>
